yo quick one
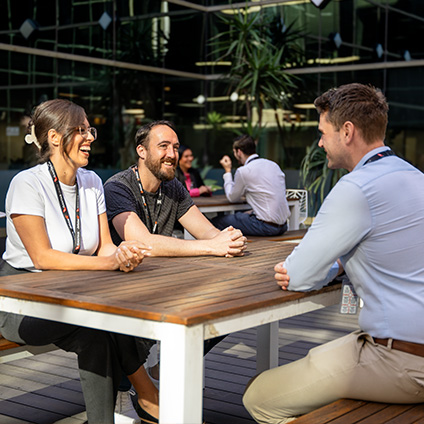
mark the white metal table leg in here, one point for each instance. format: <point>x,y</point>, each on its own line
<point>294,215</point>
<point>181,376</point>
<point>267,346</point>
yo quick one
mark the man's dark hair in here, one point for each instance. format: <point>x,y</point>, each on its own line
<point>363,105</point>
<point>245,143</point>
<point>142,135</point>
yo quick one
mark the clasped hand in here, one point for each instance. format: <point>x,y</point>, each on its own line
<point>232,242</point>
<point>130,254</point>
<point>283,279</point>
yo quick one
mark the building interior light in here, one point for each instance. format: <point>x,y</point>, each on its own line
<point>304,106</point>
<point>133,111</point>
<point>28,28</point>
<point>379,50</point>
<point>218,63</point>
<point>331,61</point>
<point>320,3</point>
<point>200,99</point>
<point>105,20</point>
<point>68,95</point>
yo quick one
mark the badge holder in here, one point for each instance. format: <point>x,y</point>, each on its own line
<point>350,300</point>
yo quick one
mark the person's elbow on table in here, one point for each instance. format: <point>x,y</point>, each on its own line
<point>306,279</point>
<point>283,279</point>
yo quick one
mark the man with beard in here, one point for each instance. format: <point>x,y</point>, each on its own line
<point>145,202</point>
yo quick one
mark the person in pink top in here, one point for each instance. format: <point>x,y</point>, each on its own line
<point>188,176</point>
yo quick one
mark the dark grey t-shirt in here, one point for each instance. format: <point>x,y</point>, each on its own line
<point>122,194</point>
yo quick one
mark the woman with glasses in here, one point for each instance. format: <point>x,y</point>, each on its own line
<point>46,231</point>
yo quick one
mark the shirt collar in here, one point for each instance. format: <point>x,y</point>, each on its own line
<point>251,157</point>
<point>370,154</point>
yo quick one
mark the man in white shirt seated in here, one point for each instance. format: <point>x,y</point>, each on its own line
<point>263,184</point>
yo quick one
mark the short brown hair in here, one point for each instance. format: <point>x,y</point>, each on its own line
<point>60,115</point>
<point>142,135</point>
<point>364,105</point>
<point>245,143</point>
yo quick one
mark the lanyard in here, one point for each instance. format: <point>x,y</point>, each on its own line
<point>76,235</point>
<point>152,227</point>
<point>251,160</point>
<point>378,156</point>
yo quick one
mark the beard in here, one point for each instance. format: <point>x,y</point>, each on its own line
<point>155,167</point>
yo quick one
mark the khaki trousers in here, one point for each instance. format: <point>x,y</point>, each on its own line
<point>350,367</point>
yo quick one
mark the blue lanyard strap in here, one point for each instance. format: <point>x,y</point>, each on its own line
<point>76,235</point>
<point>380,155</point>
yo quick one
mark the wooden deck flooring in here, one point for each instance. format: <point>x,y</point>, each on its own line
<point>45,389</point>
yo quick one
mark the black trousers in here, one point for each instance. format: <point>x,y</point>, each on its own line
<point>102,356</point>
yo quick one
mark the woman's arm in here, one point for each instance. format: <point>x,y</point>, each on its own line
<point>32,231</point>
<point>128,253</point>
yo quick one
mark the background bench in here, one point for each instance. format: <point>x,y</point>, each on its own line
<point>9,351</point>
<point>349,411</point>
<point>288,235</point>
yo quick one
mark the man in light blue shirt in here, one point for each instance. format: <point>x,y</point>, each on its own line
<point>263,184</point>
<point>371,225</point>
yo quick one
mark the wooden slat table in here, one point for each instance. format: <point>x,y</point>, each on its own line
<point>179,301</point>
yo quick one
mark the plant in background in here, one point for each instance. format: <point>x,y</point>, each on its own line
<point>213,184</point>
<point>316,177</point>
<point>216,120</point>
<point>260,48</point>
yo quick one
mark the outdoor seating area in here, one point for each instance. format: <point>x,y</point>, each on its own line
<point>211,212</point>
<point>45,389</point>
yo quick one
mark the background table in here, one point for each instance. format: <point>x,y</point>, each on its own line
<point>220,203</point>
<point>179,301</point>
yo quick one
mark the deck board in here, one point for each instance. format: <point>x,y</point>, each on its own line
<point>45,389</point>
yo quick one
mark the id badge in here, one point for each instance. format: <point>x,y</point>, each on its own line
<point>350,300</point>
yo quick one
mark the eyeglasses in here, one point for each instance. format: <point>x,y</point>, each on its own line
<point>84,132</point>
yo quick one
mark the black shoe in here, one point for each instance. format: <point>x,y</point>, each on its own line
<point>145,417</point>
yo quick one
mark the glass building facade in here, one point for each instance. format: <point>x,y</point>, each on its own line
<point>131,61</point>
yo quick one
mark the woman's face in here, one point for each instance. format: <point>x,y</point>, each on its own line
<point>80,146</point>
<point>186,159</point>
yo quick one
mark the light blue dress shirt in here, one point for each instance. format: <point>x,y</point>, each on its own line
<point>373,220</point>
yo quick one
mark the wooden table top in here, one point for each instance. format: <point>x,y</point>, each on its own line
<point>180,290</point>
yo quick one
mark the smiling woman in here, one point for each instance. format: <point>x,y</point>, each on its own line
<point>189,176</point>
<point>56,219</point>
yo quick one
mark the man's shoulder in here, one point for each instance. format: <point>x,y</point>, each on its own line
<point>173,186</point>
<point>176,192</point>
<point>388,168</point>
<point>263,163</point>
